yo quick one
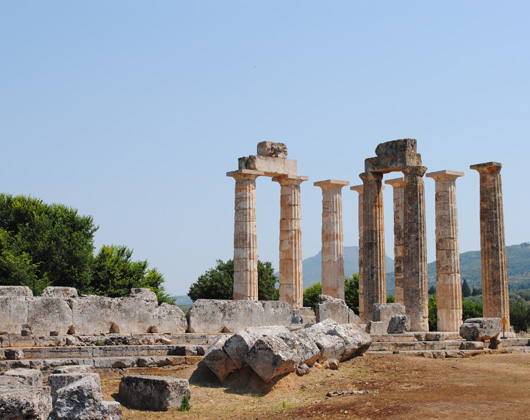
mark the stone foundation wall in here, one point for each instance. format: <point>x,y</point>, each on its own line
<point>60,311</point>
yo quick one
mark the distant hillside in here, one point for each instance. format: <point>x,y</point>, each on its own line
<point>312,266</point>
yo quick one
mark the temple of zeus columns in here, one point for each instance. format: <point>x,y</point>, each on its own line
<point>410,251</point>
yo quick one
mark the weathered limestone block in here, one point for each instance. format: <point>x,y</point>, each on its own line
<point>270,166</point>
<point>18,291</point>
<point>73,369</point>
<point>356,342</point>
<point>60,292</point>
<point>13,313</point>
<point>237,346</point>
<point>331,308</point>
<point>330,346</point>
<point>303,316</point>
<point>215,316</point>
<point>218,361</point>
<point>82,400</point>
<point>25,403</point>
<point>398,324</point>
<point>46,314</point>
<point>353,318</point>
<point>385,311</point>
<point>143,294</point>
<point>376,327</point>
<point>480,329</point>
<point>304,348</point>
<point>58,381</point>
<point>396,146</point>
<point>31,377</point>
<point>170,319</point>
<point>270,149</point>
<point>158,393</point>
<point>271,357</point>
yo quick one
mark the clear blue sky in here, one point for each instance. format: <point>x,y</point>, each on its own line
<point>133,111</point>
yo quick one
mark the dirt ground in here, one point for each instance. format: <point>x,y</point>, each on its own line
<point>495,386</point>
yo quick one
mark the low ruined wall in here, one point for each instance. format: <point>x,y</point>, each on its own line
<point>59,310</point>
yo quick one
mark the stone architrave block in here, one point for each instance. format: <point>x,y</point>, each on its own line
<point>211,316</point>
<point>31,377</point>
<point>270,166</point>
<point>13,313</point>
<point>481,329</point>
<point>398,324</point>
<point>82,400</point>
<point>60,292</point>
<point>25,403</point>
<point>217,360</point>
<point>16,291</point>
<point>170,319</point>
<point>46,314</point>
<point>271,357</point>
<point>331,308</point>
<point>158,393</point>
<point>237,346</point>
<point>385,311</point>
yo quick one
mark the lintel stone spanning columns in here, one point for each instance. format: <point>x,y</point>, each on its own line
<point>495,297</point>
<point>291,277</point>
<point>359,189</point>
<point>415,286</point>
<point>448,285</point>
<point>398,185</point>
<point>245,240</point>
<point>373,249</point>
<point>332,238</point>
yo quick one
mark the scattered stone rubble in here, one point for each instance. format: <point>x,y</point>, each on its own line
<point>73,393</point>
<point>276,351</point>
<point>59,311</point>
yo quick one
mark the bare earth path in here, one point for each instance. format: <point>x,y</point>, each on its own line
<point>375,386</point>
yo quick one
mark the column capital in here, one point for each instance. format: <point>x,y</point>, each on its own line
<point>245,174</point>
<point>446,174</point>
<point>396,182</point>
<point>487,168</point>
<point>290,179</point>
<point>331,184</point>
<point>358,188</point>
<point>371,176</point>
<point>414,170</point>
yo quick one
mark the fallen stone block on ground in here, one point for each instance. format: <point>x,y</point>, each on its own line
<point>480,329</point>
<point>157,393</point>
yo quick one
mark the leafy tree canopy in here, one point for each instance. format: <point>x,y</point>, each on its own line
<point>351,293</point>
<point>218,282</point>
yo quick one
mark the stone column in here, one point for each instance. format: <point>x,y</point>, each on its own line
<point>398,185</point>
<point>373,259</point>
<point>415,289</point>
<point>359,189</point>
<point>332,238</point>
<point>448,284</point>
<point>245,240</point>
<point>495,297</point>
<point>291,280</point>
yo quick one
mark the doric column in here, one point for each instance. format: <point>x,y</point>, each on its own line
<point>448,285</point>
<point>359,189</point>
<point>398,185</point>
<point>495,297</point>
<point>245,240</point>
<point>415,289</point>
<point>332,238</point>
<point>373,259</point>
<point>291,280</point>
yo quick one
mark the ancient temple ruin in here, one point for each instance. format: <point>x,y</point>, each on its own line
<point>410,251</point>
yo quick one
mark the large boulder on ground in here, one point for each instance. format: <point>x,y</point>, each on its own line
<point>237,346</point>
<point>480,329</point>
<point>398,324</point>
<point>304,348</point>
<point>58,381</point>
<point>82,400</point>
<point>356,342</point>
<point>218,361</point>
<point>330,346</point>
<point>211,316</point>
<point>158,393</point>
<point>271,357</point>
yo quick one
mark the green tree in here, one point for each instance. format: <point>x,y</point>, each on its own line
<point>390,299</point>
<point>520,316</point>
<point>466,291</point>
<point>432,290</point>
<point>218,282</point>
<point>433,313</point>
<point>44,244</point>
<point>115,274</point>
<point>471,310</point>
<point>311,294</point>
<point>351,292</point>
